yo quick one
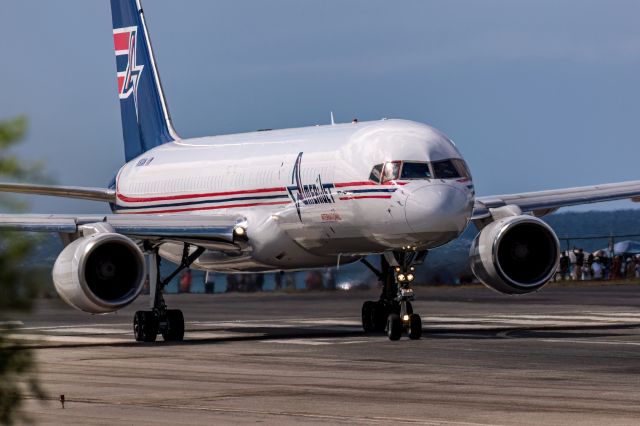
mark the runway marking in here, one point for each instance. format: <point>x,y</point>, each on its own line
<point>316,342</point>
<point>91,330</point>
<point>43,338</point>
<point>59,327</point>
<point>591,342</point>
<point>597,317</point>
<point>11,323</point>
<point>202,330</point>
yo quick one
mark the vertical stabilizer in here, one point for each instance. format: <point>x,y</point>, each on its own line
<point>145,117</point>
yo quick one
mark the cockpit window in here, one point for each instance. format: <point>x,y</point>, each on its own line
<point>453,168</point>
<point>375,173</point>
<point>391,171</point>
<point>462,167</point>
<point>412,170</point>
<point>445,170</point>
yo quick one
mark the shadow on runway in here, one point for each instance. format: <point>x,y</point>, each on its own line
<point>266,334</point>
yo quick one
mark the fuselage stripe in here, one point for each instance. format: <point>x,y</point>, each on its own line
<point>360,197</point>
<point>187,196</point>
<point>228,206</point>
<point>359,191</point>
<point>127,199</point>
<point>189,203</point>
<point>344,184</point>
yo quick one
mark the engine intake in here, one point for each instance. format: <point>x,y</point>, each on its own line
<point>515,255</point>
<point>100,273</point>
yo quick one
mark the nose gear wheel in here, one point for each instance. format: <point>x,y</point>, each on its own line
<point>393,312</point>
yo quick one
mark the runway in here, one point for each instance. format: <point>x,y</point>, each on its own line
<point>565,355</point>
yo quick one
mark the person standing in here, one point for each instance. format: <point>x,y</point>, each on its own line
<point>209,283</point>
<point>185,282</point>
<point>615,268</point>
<point>597,269</point>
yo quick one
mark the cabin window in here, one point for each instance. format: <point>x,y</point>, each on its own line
<point>391,171</point>
<point>444,170</point>
<point>411,170</point>
<point>375,173</point>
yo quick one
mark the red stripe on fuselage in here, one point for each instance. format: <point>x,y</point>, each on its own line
<point>360,197</point>
<point>367,183</point>
<point>126,199</point>
<point>187,196</point>
<point>343,184</point>
<point>193,209</point>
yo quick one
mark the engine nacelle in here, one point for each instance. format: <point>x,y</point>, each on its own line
<point>515,254</point>
<point>100,273</point>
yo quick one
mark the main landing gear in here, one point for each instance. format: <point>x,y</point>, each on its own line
<point>160,320</point>
<point>393,312</point>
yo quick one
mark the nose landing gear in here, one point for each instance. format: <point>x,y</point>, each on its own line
<point>393,312</point>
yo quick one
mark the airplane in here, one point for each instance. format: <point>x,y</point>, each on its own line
<point>284,200</point>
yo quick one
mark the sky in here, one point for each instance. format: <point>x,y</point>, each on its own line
<point>536,94</point>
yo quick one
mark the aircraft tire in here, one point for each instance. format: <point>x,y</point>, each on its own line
<point>174,331</point>
<point>379,316</point>
<point>368,319</point>
<point>415,327</point>
<point>394,327</point>
<point>145,326</point>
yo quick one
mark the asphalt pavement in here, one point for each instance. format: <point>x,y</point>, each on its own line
<point>565,355</point>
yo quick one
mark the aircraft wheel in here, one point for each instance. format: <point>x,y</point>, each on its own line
<point>379,316</point>
<point>394,327</point>
<point>174,330</point>
<point>145,326</point>
<point>368,319</point>
<point>415,327</point>
<point>137,325</point>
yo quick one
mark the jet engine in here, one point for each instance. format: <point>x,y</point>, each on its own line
<point>100,273</point>
<point>515,255</point>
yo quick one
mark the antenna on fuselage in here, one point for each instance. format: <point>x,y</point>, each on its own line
<point>333,122</point>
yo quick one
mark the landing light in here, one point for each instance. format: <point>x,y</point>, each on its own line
<point>401,277</point>
<point>397,269</point>
<point>405,317</point>
<point>410,277</point>
<point>239,231</point>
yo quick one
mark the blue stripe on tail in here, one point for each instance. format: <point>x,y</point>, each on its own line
<point>145,117</point>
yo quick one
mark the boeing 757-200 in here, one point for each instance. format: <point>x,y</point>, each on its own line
<point>284,200</point>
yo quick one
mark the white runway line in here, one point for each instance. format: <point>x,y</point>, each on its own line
<point>196,330</point>
<point>41,338</point>
<point>592,342</point>
<point>11,323</point>
<point>316,342</point>
<point>91,330</point>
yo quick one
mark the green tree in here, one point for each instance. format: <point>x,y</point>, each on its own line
<point>17,289</point>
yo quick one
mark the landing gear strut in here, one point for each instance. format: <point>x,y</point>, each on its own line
<point>393,312</point>
<point>160,320</point>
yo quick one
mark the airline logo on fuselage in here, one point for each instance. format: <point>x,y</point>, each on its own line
<point>125,43</point>
<point>308,194</point>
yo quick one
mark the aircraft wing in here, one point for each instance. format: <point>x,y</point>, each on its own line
<point>541,203</point>
<point>210,231</point>
<point>85,193</point>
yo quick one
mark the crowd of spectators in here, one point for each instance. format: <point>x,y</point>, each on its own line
<point>249,283</point>
<point>580,266</point>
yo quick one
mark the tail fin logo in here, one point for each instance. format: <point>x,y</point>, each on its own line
<point>125,43</point>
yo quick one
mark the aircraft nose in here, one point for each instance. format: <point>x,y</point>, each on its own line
<point>438,207</point>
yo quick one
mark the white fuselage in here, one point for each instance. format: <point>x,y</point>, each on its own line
<point>306,193</point>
